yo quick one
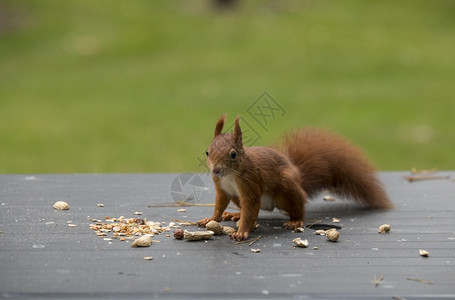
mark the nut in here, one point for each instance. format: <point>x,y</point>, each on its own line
<point>214,226</point>
<point>255,250</point>
<point>332,235</point>
<point>301,243</point>
<point>144,241</point>
<point>178,234</point>
<point>197,235</point>
<point>148,258</point>
<point>61,205</point>
<point>424,253</point>
<point>100,205</point>
<point>384,228</point>
<point>229,230</point>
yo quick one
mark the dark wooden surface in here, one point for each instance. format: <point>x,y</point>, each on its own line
<point>40,256</point>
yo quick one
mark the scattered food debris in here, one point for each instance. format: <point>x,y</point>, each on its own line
<point>1,231</point>
<point>314,223</point>
<point>181,210</point>
<point>72,225</point>
<point>301,243</point>
<point>299,229</point>
<point>62,205</point>
<point>414,171</point>
<point>423,253</point>
<point>251,241</point>
<point>384,228</point>
<point>178,234</point>
<point>148,257</point>
<point>229,230</point>
<point>197,235</point>
<point>420,280</point>
<point>255,250</point>
<point>214,226</point>
<point>185,223</point>
<point>425,177</point>
<point>335,220</point>
<point>128,228</point>
<point>319,232</point>
<point>329,198</point>
<point>138,213</point>
<point>143,241</point>
<point>377,281</point>
<point>332,235</point>
<point>315,248</point>
<point>100,205</point>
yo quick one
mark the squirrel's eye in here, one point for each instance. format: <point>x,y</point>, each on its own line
<point>207,152</point>
<point>233,154</point>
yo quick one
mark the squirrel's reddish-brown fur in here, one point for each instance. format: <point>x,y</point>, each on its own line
<point>307,162</point>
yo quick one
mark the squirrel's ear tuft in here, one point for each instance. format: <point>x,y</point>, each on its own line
<point>219,125</point>
<point>238,133</point>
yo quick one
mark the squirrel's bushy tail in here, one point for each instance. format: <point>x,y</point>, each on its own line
<point>329,162</point>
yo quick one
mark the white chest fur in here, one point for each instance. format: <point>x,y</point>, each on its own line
<point>230,187</point>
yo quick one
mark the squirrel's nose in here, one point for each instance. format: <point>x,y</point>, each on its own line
<point>216,171</point>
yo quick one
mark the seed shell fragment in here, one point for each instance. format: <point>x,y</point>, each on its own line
<point>384,228</point>
<point>423,253</point>
<point>301,243</point>
<point>61,205</point>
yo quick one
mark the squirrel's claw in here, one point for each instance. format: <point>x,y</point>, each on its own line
<point>203,222</point>
<point>291,225</point>
<point>239,236</point>
<point>228,216</point>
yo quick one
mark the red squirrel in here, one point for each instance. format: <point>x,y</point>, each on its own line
<point>307,162</point>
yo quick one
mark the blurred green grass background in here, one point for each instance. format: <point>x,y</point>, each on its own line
<point>137,86</point>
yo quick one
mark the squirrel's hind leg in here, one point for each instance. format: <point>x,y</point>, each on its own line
<point>292,200</point>
<point>230,216</point>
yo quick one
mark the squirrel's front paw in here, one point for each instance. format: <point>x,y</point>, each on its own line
<point>203,222</point>
<point>291,225</point>
<point>239,236</point>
